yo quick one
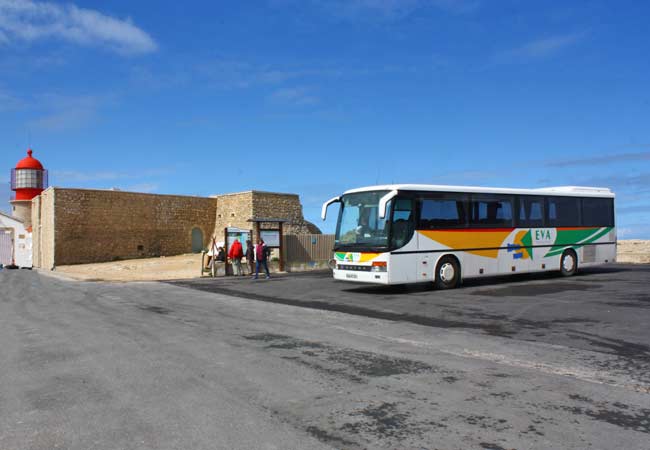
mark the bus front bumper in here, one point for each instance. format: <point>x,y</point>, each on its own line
<point>361,276</point>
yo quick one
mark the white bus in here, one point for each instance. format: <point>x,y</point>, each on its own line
<point>408,233</point>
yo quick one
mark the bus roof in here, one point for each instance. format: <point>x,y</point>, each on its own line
<point>571,191</point>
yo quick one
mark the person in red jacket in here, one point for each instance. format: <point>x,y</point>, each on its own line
<point>236,254</point>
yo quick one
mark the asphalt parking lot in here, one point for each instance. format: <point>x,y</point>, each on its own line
<point>301,361</point>
<point>601,309</point>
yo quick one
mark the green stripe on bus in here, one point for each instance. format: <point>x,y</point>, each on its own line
<point>576,239</point>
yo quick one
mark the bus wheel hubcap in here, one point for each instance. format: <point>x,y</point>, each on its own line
<point>447,272</point>
<point>568,263</point>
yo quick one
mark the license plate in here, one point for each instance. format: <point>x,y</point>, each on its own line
<point>351,275</point>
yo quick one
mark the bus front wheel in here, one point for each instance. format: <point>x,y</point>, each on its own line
<point>568,263</point>
<point>447,273</point>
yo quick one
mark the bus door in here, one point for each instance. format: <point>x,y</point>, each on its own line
<point>403,263</point>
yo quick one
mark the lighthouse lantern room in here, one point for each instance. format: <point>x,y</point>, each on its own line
<point>28,180</point>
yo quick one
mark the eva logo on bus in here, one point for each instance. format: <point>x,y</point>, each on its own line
<point>544,236</point>
<point>524,241</point>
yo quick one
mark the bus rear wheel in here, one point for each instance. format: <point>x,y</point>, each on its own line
<point>568,263</point>
<point>447,273</point>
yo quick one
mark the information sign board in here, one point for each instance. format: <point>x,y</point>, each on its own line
<point>271,238</point>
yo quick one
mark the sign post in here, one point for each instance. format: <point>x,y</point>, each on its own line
<point>272,237</point>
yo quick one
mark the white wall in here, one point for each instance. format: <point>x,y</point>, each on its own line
<point>22,240</point>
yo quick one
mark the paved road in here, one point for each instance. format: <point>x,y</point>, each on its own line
<point>236,364</point>
<point>603,309</point>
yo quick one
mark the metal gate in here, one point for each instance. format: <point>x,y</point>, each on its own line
<point>6,247</point>
<point>306,248</point>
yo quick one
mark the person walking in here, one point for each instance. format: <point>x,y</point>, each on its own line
<point>250,257</point>
<point>236,254</point>
<point>261,255</point>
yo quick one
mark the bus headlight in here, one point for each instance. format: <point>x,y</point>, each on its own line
<point>379,266</point>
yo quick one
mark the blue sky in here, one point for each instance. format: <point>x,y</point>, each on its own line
<point>318,96</point>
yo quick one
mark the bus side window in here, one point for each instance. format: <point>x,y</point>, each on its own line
<point>563,211</point>
<point>531,211</point>
<point>597,212</point>
<point>491,211</point>
<point>445,212</point>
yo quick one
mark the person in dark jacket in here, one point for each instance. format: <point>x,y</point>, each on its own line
<point>250,256</point>
<point>261,255</point>
<point>236,254</point>
<point>221,255</point>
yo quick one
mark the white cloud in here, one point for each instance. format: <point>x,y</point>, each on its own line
<point>634,231</point>
<point>73,176</point>
<point>601,159</point>
<point>9,102</point>
<point>146,188</point>
<point>64,177</point>
<point>28,20</point>
<point>396,8</point>
<point>382,9</point>
<point>297,96</point>
<point>637,182</point>
<point>64,120</point>
<point>68,112</point>
<point>540,48</point>
<point>234,74</point>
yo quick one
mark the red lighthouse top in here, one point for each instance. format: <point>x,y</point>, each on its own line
<point>29,178</point>
<point>29,162</point>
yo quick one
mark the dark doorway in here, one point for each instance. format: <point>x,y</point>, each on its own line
<point>197,240</point>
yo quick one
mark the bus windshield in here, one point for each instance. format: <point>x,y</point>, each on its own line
<point>359,223</point>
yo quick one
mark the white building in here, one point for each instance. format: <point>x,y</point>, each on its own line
<point>15,242</point>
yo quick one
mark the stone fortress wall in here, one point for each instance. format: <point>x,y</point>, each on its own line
<point>235,210</point>
<point>76,226</point>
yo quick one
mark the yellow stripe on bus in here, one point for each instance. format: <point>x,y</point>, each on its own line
<point>470,239</point>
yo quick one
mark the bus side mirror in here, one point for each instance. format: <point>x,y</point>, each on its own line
<point>323,213</point>
<point>383,202</point>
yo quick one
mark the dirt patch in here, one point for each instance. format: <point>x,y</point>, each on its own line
<point>146,269</point>
<point>633,251</point>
